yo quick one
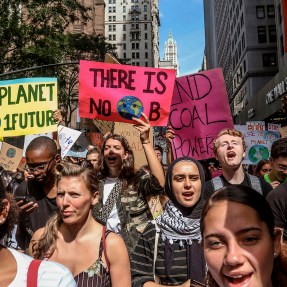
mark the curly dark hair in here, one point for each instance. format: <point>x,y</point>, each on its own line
<point>12,218</point>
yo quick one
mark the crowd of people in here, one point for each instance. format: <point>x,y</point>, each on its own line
<point>90,223</point>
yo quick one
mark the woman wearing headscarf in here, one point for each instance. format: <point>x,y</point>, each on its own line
<point>176,257</point>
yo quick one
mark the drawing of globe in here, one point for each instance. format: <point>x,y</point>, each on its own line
<point>258,152</point>
<point>129,107</point>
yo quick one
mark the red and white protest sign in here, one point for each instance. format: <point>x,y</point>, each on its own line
<point>117,93</point>
<point>199,110</point>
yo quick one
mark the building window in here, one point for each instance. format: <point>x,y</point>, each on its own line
<point>146,55</point>
<point>124,27</point>
<point>269,60</point>
<point>124,55</point>
<point>124,17</point>
<point>282,45</point>
<point>145,8</point>
<point>145,36</point>
<point>114,37</point>
<point>272,34</point>
<point>110,27</point>
<point>114,27</point>
<point>261,31</point>
<point>145,16</point>
<point>124,46</point>
<point>146,64</point>
<point>260,12</point>
<point>124,36</point>
<point>114,18</point>
<point>146,45</point>
<point>270,11</point>
<point>124,9</point>
<point>110,18</point>
<point>110,37</point>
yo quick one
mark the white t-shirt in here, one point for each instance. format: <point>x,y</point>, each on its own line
<point>50,274</point>
<point>113,222</point>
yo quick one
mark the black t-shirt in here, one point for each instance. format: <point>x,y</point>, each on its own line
<point>209,188</point>
<point>29,223</point>
<point>277,199</point>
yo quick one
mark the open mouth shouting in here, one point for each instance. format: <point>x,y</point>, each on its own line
<point>231,155</point>
<point>240,280</point>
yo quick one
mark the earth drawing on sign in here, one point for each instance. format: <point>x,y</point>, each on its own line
<point>258,152</point>
<point>129,107</point>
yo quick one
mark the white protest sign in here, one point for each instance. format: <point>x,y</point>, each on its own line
<point>67,138</point>
<point>29,138</point>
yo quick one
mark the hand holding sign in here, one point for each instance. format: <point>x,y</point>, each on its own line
<point>143,128</point>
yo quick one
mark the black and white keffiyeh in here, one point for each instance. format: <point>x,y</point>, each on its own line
<point>173,226</point>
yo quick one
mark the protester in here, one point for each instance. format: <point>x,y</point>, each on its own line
<point>229,150</point>
<point>123,203</point>
<point>159,153</point>
<point>14,265</point>
<point>263,167</point>
<point>277,199</point>
<point>278,158</point>
<point>95,256</point>
<point>39,189</point>
<point>93,156</point>
<point>171,249</point>
<point>239,239</point>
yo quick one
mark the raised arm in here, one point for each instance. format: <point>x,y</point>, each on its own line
<point>143,126</point>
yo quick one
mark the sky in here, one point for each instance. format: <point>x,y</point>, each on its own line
<point>184,18</point>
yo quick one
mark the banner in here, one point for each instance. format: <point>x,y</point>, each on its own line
<point>67,138</point>
<point>133,137</point>
<point>199,111</point>
<point>117,93</point>
<point>27,106</point>
<point>10,156</point>
<point>256,126</point>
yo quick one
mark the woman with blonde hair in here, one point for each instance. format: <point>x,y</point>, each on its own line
<point>95,256</point>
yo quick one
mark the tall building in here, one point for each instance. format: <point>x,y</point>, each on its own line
<point>97,14</point>
<point>243,42</point>
<point>170,59</point>
<point>132,27</point>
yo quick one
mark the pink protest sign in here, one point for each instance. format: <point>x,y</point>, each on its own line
<point>199,111</point>
<point>113,92</point>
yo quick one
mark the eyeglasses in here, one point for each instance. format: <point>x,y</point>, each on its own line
<point>38,168</point>
<point>281,167</point>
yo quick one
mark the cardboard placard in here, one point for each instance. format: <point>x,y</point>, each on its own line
<point>10,156</point>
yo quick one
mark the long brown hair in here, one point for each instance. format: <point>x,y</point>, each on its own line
<point>46,245</point>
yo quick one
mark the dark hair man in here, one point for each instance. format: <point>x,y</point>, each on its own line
<point>39,189</point>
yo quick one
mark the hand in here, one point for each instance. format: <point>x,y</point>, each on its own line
<point>57,116</point>
<point>28,207</point>
<point>144,128</point>
<point>275,183</point>
<point>169,136</point>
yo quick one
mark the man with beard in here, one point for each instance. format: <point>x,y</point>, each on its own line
<point>37,195</point>
<point>229,150</point>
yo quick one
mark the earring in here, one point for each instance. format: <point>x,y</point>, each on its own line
<point>1,221</point>
<point>274,254</point>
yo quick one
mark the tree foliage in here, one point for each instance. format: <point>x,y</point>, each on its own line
<point>34,33</point>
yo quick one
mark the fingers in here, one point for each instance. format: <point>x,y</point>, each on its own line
<point>28,207</point>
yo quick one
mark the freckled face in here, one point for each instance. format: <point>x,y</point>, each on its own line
<point>74,200</point>
<point>238,247</point>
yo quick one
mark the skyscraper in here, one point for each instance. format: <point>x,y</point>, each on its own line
<point>132,27</point>
<point>170,59</point>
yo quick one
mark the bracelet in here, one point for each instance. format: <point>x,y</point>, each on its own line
<point>147,142</point>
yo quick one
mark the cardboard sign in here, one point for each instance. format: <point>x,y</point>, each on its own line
<point>67,138</point>
<point>10,156</point>
<point>113,92</point>
<point>199,111</point>
<point>133,137</point>
<point>104,126</point>
<point>27,106</point>
<point>155,206</point>
<point>283,132</point>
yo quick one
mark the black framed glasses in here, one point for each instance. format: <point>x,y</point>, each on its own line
<point>39,168</point>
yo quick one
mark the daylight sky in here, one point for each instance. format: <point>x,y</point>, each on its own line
<point>184,18</point>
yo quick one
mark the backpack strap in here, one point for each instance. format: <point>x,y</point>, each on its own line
<point>255,183</point>
<point>217,183</point>
<point>156,278</point>
<point>32,274</point>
